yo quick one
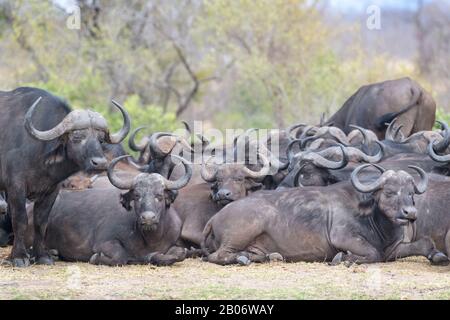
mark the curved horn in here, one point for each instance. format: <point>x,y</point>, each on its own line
<point>365,157</point>
<point>132,144</point>
<point>320,161</point>
<point>116,181</point>
<point>119,136</point>
<point>365,188</point>
<point>363,132</point>
<point>444,143</point>
<point>154,147</point>
<point>184,180</point>
<point>339,135</point>
<point>261,173</point>
<point>187,127</point>
<point>306,131</point>
<point>421,187</point>
<point>389,135</point>
<point>435,156</point>
<point>143,168</point>
<point>206,174</point>
<point>398,132</point>
<point>290,129</point>
<point>48,135</point>
<point>305,141</point>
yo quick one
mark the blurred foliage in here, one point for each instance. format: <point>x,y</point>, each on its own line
<point>442,116</point>
<point>240,63</point>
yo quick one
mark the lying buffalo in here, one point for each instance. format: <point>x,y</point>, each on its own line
<point>42,143</point>
<point>226,182</point>
<point>433,213</point>
<point>374,105</point>
<point>103,226</point>
<point>353,222</point>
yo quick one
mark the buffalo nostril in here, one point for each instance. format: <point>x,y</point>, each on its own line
<point>409,213</point>
<point>147,217</point>
<point>98,162</point>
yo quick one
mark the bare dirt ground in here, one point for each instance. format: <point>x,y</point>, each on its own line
<point>411,278</point>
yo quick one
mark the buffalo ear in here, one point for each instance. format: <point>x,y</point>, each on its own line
<point>366,205</point>
<point>252,185</point>
<point>171,195</point>
<point>125,200</point>
<point>56,152</point>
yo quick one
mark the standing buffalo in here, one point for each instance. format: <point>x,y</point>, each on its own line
<point>374,105</point>
<point>41,146</point>
<point>354,222</point>
<point>103,226</point>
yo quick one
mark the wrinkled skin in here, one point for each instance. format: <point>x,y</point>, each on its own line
<point>32,169</point>
<point>136,227</point>
<point>317,224</point>
<point>433,213</point>
<point>198,203</point>
<point>375,104</point>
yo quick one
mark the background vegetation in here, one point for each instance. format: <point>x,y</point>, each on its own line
<point>239,63</point>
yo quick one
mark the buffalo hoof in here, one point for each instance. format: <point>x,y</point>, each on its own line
<point>243,260</point>
<point>439,259</point>
<point>275,257</point>
<point>94,257</point>
<point>45,260</point>
<point>54,254</point>
<point>21,262</point>
<point>337,259</point>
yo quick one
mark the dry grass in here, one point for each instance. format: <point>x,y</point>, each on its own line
<point>410,278</point>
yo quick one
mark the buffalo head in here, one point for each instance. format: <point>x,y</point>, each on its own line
<point>150,194</point>
<point>82,134</point>
<point>232,181</point>
<point>314,167</point>
<point>393,192</point>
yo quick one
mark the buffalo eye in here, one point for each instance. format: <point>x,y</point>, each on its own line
<point>390,193</point>
<point>137,197</point>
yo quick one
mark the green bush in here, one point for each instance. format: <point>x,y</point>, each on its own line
<point>442,116</point>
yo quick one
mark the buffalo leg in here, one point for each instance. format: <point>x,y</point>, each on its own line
<point>257,255</point>
<point>447,243</point>
<point>422,247</point>
<point>174,254</point>
<point>223,257</point>
<point>359,249</point>
<point>110,253</point>
<point>16,204</point>
<point>42,209</point>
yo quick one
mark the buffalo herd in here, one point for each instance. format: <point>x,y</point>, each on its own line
<point>367,185</point>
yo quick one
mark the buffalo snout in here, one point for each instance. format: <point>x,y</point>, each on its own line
<point>98,163</point>
<point>408,214</point>
<point>148,219</point>
<point>224,194</point>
